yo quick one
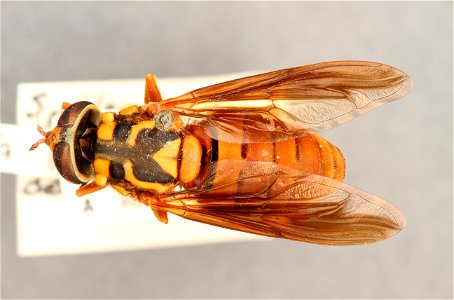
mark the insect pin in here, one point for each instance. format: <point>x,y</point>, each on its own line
<point>241,154</point>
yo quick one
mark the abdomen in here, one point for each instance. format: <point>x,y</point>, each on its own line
<point>236,169</point>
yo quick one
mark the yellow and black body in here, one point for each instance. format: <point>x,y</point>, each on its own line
<point>112,148</point>
<point>240,154</point>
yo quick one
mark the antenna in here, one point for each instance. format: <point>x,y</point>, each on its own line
<point>43,140</point>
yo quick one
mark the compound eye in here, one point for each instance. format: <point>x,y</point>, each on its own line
<point>73,154</point>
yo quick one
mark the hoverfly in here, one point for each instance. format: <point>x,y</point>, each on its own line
<point>241,154</point>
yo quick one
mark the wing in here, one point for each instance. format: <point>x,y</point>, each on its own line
<point>313,97</point>
<point>308,208</point>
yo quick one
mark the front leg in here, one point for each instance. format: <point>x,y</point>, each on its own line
<point>90,187</point>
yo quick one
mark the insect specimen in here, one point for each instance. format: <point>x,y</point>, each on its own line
<point>240,154</point>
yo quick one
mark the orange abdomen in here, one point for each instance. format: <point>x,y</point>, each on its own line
<point>225,165</point>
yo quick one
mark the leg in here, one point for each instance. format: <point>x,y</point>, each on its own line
<point>152,93</point>
<point>160,215</point>
<point>89,188</point>
<point>65,105</point>
<point>151,201</point>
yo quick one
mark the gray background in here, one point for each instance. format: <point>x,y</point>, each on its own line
<point>402,152</point>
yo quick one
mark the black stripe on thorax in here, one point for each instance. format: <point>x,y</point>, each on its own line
<point>148,142</point>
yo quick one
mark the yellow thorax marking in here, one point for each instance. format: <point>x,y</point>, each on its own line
<point>102,167</point>
<point>107,117</point>
<point>158,187</point>
<point>167,157</point>
<point>135,130</point>
<point>129,110</point>
<point>106,130</point>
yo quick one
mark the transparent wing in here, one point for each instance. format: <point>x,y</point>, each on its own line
<point>309,208</point>
<point>313,97</point>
